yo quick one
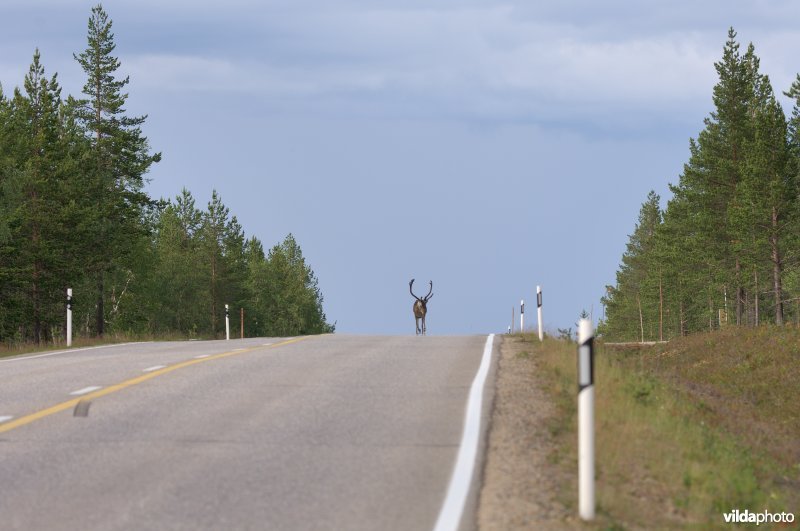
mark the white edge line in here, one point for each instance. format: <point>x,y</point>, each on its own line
<point>453,508</point>
<point>201,356</point>
<point>23,357</point>
<point>154,368</point>
<point>5,418</point>
<point>85,390</point>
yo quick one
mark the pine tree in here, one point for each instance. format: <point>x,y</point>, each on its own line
<point>709,183</point>
<point>257,288</point>
<point>794,121</point>
<point>295,301</point>
<point>178,291</point>
<point>34,254</point>
<point>635,300</point>
<point>764,205</point>
<point>120,155</point>
<point>222,248</point>
<point>732,220</point>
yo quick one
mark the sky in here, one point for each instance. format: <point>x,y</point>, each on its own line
<point>489,147</point>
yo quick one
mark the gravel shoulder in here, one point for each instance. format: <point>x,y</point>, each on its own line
<point>521,484</point>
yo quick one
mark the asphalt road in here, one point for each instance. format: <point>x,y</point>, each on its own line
<point>329,432</point>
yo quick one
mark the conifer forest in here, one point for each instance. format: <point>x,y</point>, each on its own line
<point>725,251</point>
<point>74,213</point>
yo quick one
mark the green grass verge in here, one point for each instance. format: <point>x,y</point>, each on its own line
<point>683,433</point>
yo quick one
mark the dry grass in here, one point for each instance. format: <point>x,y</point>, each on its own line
<point>744,381</point>
<point>685,431</point>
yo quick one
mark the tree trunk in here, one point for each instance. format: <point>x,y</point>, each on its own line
<point>776,269</point>
<point>739,293</point>
<point>660,309</point>
<point>641,321</point>
<point>710,314</point>
<point>214,296</point>
<point>755,275</point>
<point>35,295</point>
<point>100,318</point>
<point>37,311</point>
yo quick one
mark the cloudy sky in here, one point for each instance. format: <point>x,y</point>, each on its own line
<point>487,146</point>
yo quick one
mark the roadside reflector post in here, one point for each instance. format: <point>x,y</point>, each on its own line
<point>539,311</point>
<point>69,317</point>
<point>586,494</point>
<point>241,321</point>
<point>227,323</point>
<point>522,317</point>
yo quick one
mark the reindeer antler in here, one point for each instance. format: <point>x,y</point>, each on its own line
<point>411,290</point>
<point>430,291</point>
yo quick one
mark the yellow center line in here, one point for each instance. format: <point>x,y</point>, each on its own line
<point>27,419</point>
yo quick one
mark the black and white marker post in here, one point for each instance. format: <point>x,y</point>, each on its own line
<point>522,317</point>
<point>227,323</point>
<point>69,317</point>
<point>586,498</point>
<point>539,311</point>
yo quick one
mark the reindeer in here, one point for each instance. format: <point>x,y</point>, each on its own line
<point>420,306</point>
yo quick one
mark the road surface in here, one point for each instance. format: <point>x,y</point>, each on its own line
<point>326,432</point>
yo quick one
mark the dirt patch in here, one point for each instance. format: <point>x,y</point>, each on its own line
<point>521,483</point>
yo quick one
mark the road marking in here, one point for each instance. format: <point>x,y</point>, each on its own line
<point>265,344</point>
<point>85,390</point>
<point>202,356</point>
<point>23,357</point>
<point>100,392</point>
<point>4,418</point>
<point>153,368</point>
<point>453,508</point>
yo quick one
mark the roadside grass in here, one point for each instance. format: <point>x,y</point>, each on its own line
<point>685,431</point>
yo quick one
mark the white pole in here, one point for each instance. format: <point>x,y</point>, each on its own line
<point>227,324</point>
<point>539,311</point>
<point>69,317</point>
<point>586,494</point>
<point>522,317</point>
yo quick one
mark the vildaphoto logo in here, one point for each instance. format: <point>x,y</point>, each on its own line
<point>747,517</point>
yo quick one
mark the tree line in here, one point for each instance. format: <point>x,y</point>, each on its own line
<point>74,213</point>
<point>726,250</point>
